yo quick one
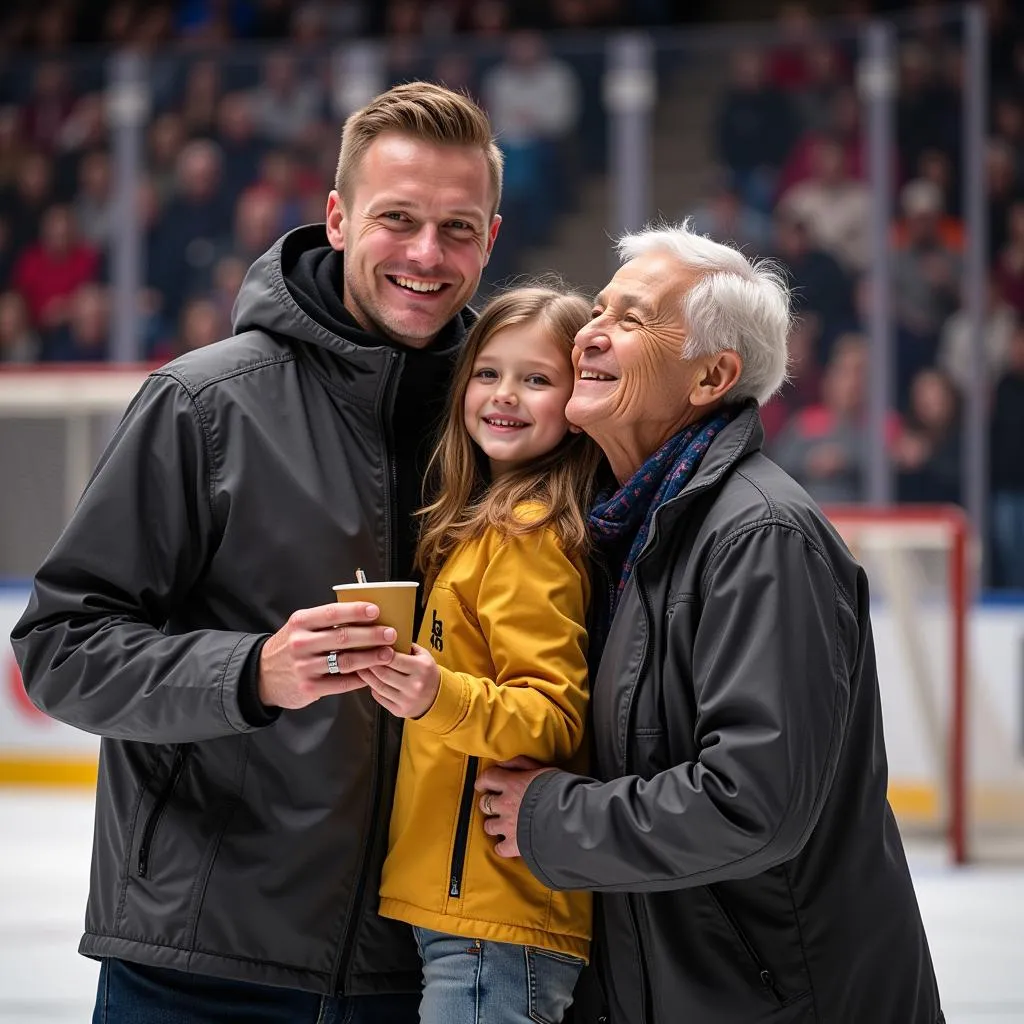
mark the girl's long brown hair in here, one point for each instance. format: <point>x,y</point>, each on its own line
<point>563,480</point>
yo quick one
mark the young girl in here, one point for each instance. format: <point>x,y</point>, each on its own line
<point>500,669</point>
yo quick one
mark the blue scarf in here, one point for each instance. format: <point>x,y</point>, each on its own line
<point>630,510</point>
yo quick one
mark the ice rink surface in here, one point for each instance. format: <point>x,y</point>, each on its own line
<point>974,917</point>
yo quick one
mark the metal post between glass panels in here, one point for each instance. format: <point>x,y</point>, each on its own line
<point>976,400</point>
<point>877,86</point>
<point>127,107</point>
<point>629,95</point>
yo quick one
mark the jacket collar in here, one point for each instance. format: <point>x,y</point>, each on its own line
<point>739,438</point>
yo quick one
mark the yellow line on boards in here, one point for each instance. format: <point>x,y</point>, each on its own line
<point>910,801</point>
<point>31,771</point>
<point>914,801</point>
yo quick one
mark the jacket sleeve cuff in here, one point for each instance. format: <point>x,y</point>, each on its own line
<point>533,796</point>
<point>254,713</point>
<point>449,705</point>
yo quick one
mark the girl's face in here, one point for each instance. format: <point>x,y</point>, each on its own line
<point>514,407</point>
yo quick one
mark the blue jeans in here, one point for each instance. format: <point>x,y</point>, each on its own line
<point>136,994</point>
<point>466,981</point>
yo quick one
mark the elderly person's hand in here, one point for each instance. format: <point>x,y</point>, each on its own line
<point>504,787</point>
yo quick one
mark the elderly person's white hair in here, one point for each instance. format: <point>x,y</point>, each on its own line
<point>735,304</point>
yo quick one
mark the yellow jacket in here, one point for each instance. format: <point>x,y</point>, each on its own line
<point>505,621</point>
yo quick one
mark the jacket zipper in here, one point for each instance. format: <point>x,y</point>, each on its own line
<point>767,980</point>
<point>379,722</point>
<point>149,829</point>
<point>634,917</point>
<point>462,829</point>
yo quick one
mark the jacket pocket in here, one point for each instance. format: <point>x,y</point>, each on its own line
<point>152,823</point>
<point>455,886</point>
<point>764,975</point>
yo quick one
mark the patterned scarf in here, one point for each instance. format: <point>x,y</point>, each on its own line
<point>630,510</point>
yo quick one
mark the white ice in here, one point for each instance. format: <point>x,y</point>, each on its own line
<point>974,917</point>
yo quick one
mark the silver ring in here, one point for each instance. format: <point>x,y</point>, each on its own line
<point>332,664</point>
<point>488,809</point>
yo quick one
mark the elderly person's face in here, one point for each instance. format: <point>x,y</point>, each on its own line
<point>633,390</point>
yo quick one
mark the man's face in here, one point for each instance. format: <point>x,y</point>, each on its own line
<point>632,386</point>
<point>416,231</point>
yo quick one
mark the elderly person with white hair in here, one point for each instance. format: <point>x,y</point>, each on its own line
<point>735,821</point>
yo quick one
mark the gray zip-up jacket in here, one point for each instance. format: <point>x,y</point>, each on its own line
<point>737,829</point>
<point>245,479</point>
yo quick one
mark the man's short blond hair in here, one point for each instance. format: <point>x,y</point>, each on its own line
<point>424,111</point>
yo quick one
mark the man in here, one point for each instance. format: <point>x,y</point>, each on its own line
<point>736,824</point>
<point>245,775</point>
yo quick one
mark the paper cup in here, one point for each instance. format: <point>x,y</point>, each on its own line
<point>397,604</point>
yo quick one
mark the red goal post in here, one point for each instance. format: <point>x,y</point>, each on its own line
<point>944,529</point>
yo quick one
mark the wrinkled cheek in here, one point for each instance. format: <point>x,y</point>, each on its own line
<point>631,399</point>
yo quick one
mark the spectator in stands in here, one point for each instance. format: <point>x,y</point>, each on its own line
<point>533,99</point>
<point>1009,267</point>
<point>154,324</point>
<point>817,282</point>
<point>257,225</point>
<point>924,119</point>
<point>19,341</point>
<point>84,336</point>
<point>49,106</point>
<point>1003,188</point>
<point>926,454</point>
<point>94,200</point>
<point>755,128</point>
<point>86,128</point>
<point>826,80</point>
<point>292,184</point>
<point>835,207</point>
<point>935,166</point>
<point>926,283</point>
<point>164,142</point>
<point>272,18</point>
<point>789,66</point>
<point>456,70</point>
<point>25,203</point>
<point>1008,125</point>
<point>12,148</point>
<point>843,125</point>
<point>825,446</point>
<point>201,20</point>
<point>202,323</point>
<point>956,355</point>
<point>725,217</point>
<point>49,272</point>
<point>200,99</point>
<point>285,103</point>
<point>192,224</point>
<point>228,275</point>
<point>1007,470</point>
<point>241,146</point>
<point>802,387</point>
<point>7,253</point>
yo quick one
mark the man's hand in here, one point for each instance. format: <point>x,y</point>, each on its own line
<point>407,685</point>
<point>503,788</point>
<point>294,669</point>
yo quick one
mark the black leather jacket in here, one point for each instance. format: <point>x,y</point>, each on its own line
<point>245,479</point>
<point>737,829</point>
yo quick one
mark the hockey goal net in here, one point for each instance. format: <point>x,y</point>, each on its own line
<point>952,736</point>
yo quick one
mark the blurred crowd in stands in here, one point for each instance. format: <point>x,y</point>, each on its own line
<point>242,135</point>
<point>792,156</point>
